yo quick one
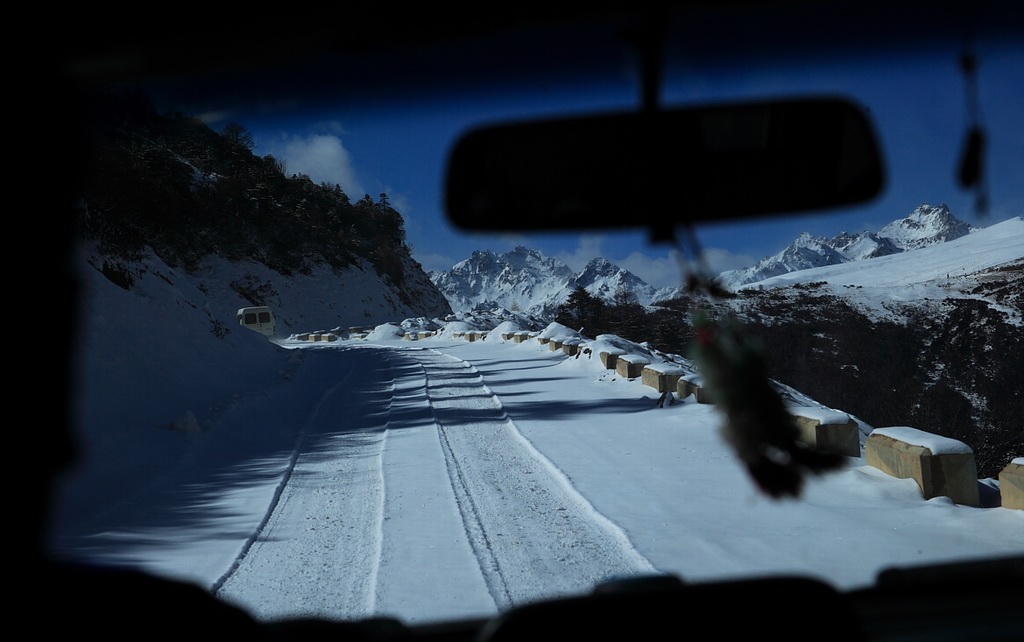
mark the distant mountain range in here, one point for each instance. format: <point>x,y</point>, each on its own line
<point>925,226</point>
<point>525,280</point>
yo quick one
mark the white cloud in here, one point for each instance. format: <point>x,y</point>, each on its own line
<point>434,262</point>
<point>400,202</point>
<point>324,159</point>
<point>719,260</point>
<point>588,248</point>
<point>669,269</point>
<point>658,271</point>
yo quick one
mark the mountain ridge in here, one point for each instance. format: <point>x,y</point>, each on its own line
<point>926,225</point>
<point>525,279</point>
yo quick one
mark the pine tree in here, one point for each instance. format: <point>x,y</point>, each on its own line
<point>581,310</point>
<point>239,135</point>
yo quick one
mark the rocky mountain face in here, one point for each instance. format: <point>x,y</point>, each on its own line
<point>526,280</point>
<point>925,226</point>
<point>605,280</point>
<point>522,279</point>
<point>951,366</point>
<point>928,337</point>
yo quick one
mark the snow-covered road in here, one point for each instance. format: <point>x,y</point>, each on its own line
<point>436,474</point>
<point>445,479</point>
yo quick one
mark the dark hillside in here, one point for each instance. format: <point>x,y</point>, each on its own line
<point>952,367</point>
<point>170,183</point>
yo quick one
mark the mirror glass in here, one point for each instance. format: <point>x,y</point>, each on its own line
<point>731,161</point>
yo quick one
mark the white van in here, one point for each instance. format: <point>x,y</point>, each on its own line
<point>259,318</point>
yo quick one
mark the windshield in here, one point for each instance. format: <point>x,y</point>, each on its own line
<point>433,423</point>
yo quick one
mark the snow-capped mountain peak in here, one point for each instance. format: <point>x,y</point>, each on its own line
<point>809,251</point>
<point>925,226</point>
<point>605,280</point>
<point>601,269</point>
<point>513,280</point>
<point>866,245</point>
<point>526,280</point>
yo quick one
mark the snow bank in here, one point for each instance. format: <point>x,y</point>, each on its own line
<point>937,444</point>
<point>385,332</point>
<point>668,368</point>
<point>559,332</point>
<point>823,416</point>
<point>508,327</point>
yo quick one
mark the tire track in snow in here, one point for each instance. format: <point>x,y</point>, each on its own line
<point>335,540</point>
<point>423,525</point>
<point>490,565</point>
<point>534,534</point>
<point>322,531</point>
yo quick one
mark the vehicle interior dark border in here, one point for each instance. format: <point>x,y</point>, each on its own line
<point>972,600</point>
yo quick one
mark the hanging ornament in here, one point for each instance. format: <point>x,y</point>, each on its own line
<point>763,434</point>
<point>757,427</point>
<point>971,169</point>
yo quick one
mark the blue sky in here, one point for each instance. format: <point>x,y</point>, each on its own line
<point>919,108</point>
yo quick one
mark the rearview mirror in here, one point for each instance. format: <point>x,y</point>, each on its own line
<point>664,168</point>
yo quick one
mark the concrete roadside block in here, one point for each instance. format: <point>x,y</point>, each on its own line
<point>609,359</point>
<point>942,467</point>
<point>1011,484</point>
<point>663,377</point>
<point>631,366</point>
<point>827,430</point>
